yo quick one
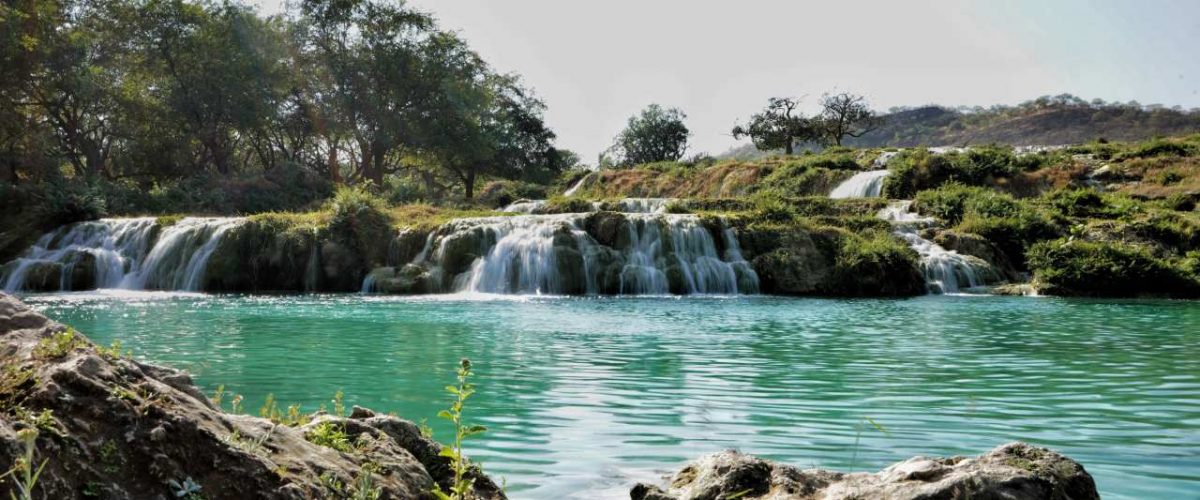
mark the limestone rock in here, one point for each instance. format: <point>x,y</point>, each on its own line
<point>118,428</point>
<point>1014,471</point>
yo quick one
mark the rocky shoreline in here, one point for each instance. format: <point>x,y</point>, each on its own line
<point>107,426</point>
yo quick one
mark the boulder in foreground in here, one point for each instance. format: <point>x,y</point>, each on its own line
<point>1015,471</point>
<point>110,427</point>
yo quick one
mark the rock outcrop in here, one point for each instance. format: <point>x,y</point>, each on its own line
<point>1014,471</point>
<point>111,427</point>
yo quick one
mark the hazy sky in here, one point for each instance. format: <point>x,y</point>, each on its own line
<point>596,63</point>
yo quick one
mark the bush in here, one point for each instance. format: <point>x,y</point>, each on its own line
<point>1088,202</point>
<point>564,205</point>
<point>1160,147</point>
<point>810,174</point>
<point>954,202</point>
<point>1012,235</point>
<point>1107,269</point>
<point>875,263</point>
<point>70,202</point>
<point>498,194</point>
<point>1175,231</point>
<point>358,219</point>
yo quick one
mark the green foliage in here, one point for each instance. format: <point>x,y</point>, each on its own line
<point>810,175</point>
<point>1012,225</point>
<point>779,126</point>
<point>462,486</point>
<point>501,193</point>
<point>563,205</point>
<point>330,435</point>
<point>773,207</point>
<point>1160,147</point>
<point>1105,268</point>
<point>1091,203</point>
<point>655,134</point>
<point>871,263</point>
<point>57,345</point>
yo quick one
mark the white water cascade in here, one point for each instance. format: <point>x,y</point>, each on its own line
<point>523,206</point>
<point>946,271</point>
<point>133,253</point>
<point>555,254</point>
<point>867,184</point>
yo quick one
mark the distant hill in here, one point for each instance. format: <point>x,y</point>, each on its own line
<point>1049,120</point>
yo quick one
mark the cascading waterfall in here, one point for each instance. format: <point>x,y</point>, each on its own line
<point>116,246</point>
<point>180,255</point>
<point>867,184</point>
<point>134,253</point>
<point>523,206</point>
<point>555,254</point>
<point>573,189</point>
<point>946,271</point>
<point>642,205</point>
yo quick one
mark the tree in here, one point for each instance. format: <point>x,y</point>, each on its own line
<point>655,134</point>
<point>845,115</point>
<point>779,126</point>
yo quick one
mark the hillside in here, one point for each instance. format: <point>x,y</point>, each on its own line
<point>1049,120</point>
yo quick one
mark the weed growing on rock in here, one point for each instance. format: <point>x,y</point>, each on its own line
<point>23,473</point>
<point>330,435</point>
<point>113,352</point>
<point>189,489</point>
<point>462,485</point>
<point>57,345</point>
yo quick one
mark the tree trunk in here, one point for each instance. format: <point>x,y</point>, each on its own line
<point>335,173</point>
<point>788,149</point>
<point>469,185</point>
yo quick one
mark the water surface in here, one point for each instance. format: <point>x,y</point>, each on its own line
<point>584,396</point>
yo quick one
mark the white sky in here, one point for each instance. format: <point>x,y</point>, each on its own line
<point>596,63</point>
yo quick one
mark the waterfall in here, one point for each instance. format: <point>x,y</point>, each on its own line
<point>179,257</point>
<point>115,247</point>
<point>135,253</point>
<point>655,254</point>
<point>641,205</point>
<point>578,184</point>
<point>867,184</point>
<point>946,271</point>
<point>523,206</point>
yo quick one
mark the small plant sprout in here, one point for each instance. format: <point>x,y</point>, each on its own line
<point>858,437</point>
<point>339,406</point>
<point>462,486</point>
<point>24,474</point>
<point>189,489</point>
<point>218,396</point>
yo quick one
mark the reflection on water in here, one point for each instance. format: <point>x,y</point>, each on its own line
<point>585,396</point>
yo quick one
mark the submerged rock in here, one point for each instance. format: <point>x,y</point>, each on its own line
<point>1014,471</point>
<point>110,427</point>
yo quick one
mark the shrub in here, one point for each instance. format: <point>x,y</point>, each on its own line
<point>770,206</point>
<point>954,202</point>
<point>1012,235</point>
<point>1088,202</point>
<point>500,193</point>
<point>1160,147</point>
<point>358,219</point>
<point>1172,230</point>
<point>874,263</point>
<point>563,205</point>
<point>1106,269</point>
